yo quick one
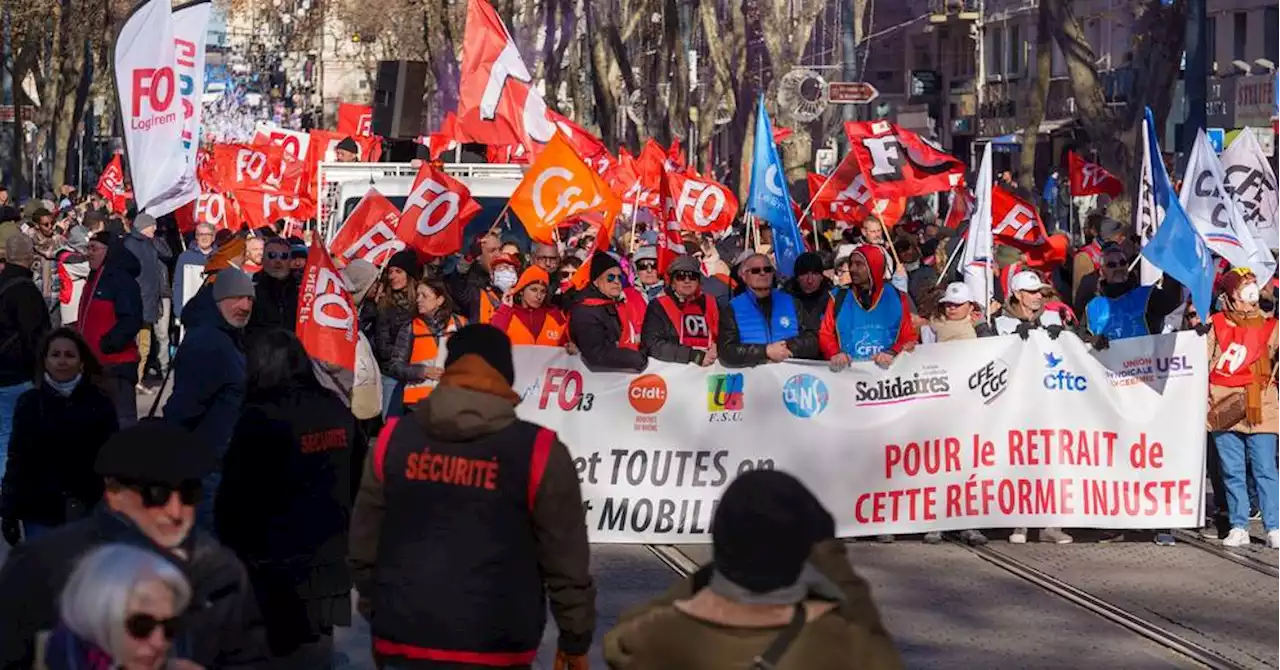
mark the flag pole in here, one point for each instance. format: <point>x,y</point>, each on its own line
<point>947,268</point>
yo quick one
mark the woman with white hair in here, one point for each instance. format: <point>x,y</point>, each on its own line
<point>120,609</point>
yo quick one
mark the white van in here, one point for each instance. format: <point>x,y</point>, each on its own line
<point>344,184</point>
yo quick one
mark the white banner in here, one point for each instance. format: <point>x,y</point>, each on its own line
<point>1252,183</point>
<point>1205,197</point>
<point>190,29</point>
<point>976,434</point>
<point>979,250</point>
<point>150,107</point>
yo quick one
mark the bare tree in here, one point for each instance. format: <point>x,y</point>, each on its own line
<point>1037,95</point>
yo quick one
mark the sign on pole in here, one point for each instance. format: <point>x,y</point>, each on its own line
<point>851,92</point>
<point>1217,139</point>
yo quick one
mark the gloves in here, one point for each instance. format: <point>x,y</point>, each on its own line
<point>1054,331</point>
<point>570,661</point>
<point>1101,342</point>
<point>1204,328</point>
<point>1024,330</point>
<point>11,530</point>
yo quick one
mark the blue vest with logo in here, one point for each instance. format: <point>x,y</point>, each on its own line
<point>864,333</point>
<point>1118,318</point>
<point>752,327</point>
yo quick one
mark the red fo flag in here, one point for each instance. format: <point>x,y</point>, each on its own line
<point>217,210</point>
<point>355,120</point>
<point>701,205</point>
<point>262,208</point>
<point>369,233</point>
<point>670,241</point>
<point>111,185</point>
<point>898,164</point>
<point>1016,221</point>
<point>1090,178</point>
<point>497,104</point>
<point>962,205</point>
<point>436,213</point>
<point>326,312</point>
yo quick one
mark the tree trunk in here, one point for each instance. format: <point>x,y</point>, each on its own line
<point>1037,94</point>
<point>605,99</point>
<point>786,27</point>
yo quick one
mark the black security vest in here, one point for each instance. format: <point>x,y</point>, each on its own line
<point>457,575</point>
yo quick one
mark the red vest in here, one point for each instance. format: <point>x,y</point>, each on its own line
<point>697,321</point>
<point>66,284</point>
<point>1240,347</point>
<point>630,316</point>
<point>1094,251</point>
<point>96,318</point>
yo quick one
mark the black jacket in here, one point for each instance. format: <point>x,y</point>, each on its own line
<point>119,286</point>
<point>152,276</point>
<point>733,353</point>
<point>24,321</point>
<point>222,626</point>
<point>275,304</point>
<point>284,506</point>
<point>52,450</point>
<point>390,321</point>
<point>468,290</point>
<point>595,329</point>
<point>811,308</point>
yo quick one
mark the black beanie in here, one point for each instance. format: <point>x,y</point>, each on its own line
<point>348,144</point>
<point>764,528</point>
<point>809,261</point>
<point>407,260</point>
<point>601,263</point>
<point>488,343</point>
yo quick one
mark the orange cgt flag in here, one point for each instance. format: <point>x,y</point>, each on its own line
<point>557,186</point>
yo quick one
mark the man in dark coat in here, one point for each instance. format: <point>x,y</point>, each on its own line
<point>607,322</point>
<point>681,322</point>
<point>152,473</point>
<point>812,291</point>
<point>24,321</point>
<point>152,276</point>
<point>209,373</point>
<point>276,290</point>
<point>439,584</point>
<point>472,288</point>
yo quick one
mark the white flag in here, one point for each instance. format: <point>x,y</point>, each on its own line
<point>190,28</point>
<point>150,107</point>
<point>1147,213</point>
<point>979,249</point>
<point>1215,216</point>
<point>1252,184</point>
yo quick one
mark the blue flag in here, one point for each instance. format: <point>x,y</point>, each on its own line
<point>769,200</point>
<point>1176,248</point>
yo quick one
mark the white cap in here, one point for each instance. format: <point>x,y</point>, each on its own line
<point>1026,281</point>
<point>957,294</point>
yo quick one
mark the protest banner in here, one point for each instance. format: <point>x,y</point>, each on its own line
<point>983,433</point>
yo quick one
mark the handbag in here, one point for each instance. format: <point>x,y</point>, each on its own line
<point>1227,412</point>
<point>768,660</point>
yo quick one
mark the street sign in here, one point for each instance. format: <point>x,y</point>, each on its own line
<point>1217,138</point>
<point>851,92</point>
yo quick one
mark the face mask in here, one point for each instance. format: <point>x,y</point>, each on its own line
<point>1249,294</point>
<point>505,279</point>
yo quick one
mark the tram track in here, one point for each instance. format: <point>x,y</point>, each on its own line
<point>1220,551</point>
<point>1138,625</point>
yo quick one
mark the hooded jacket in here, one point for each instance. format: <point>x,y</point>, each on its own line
<point>472,404</point>
<point>669,632</point>
<point>151,275</point>
<point>209,374</point>
<point>860,322</point>
<point>111,308</point>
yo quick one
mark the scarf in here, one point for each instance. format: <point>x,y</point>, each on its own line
<point>1261,370</point>
<point>948,330</point>
<point>63,389</point>
<point>404,300</point>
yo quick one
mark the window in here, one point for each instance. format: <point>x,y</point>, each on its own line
<point>1242,34</point>
<point>1270,38</point>
<point>1211,45</point>
<point>1015,50</point>
<point>995,57</point>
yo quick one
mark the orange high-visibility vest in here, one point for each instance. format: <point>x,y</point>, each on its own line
<point>553,333</point>
<point>427,351</point>
<point>490,301</point>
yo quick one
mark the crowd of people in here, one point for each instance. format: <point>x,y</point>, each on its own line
<point>277,487</point>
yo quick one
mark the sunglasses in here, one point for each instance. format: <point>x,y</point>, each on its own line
<point>613,277</point>
<point>1114,266</point>
<point>140,626</point>
<point>766,270</point>
<point>684,275</point>
<point>157,495</point>
<point>647,265</point>
<point>565,276</point>
<point>279,255</point>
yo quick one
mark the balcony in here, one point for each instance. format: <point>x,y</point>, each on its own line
<point>942,11</point>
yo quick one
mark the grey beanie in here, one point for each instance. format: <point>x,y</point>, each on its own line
<point>78,238</point>
<point>232,283</point>
<point>143,222</point>
<point>647,252</point>
<point>360,275</point>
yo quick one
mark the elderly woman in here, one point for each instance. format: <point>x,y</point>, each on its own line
<point>120,609</point>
